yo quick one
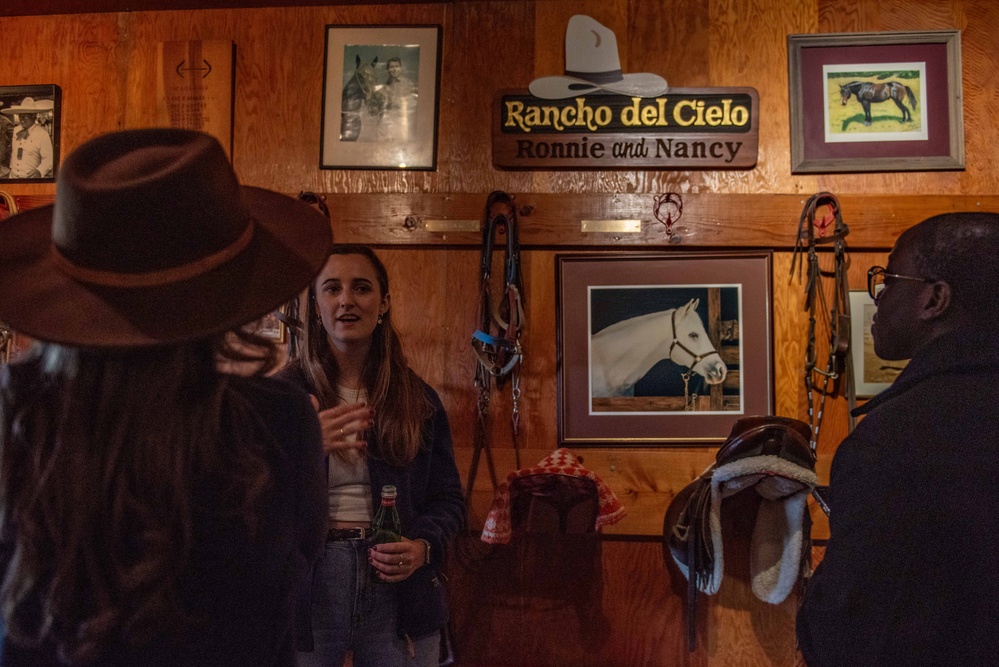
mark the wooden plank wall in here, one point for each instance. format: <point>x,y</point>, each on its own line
<point>613,602</point>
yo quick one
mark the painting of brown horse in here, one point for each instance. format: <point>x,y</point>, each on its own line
<point>867,92</point>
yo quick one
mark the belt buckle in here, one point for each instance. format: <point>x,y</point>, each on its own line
<point>344,534</point>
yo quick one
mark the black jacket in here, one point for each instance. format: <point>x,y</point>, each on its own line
<point>909,575</point>
<point>431,506</point>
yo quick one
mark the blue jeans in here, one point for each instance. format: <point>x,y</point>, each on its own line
<point>352,611</point>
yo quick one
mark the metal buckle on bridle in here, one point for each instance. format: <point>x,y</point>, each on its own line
<point>497,355</point>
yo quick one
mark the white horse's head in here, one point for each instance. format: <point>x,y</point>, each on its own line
<point>691,346</point>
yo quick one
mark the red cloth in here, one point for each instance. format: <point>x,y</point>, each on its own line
<point>497,529</point>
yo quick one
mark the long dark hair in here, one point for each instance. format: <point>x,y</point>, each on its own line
<point>394,391</point>
<point>103,454</point>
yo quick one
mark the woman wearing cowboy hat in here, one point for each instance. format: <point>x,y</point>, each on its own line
<point>154,509</point>
<point>31,153</point>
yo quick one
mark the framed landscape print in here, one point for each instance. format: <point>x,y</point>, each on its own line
<point>871,373</point>
<point>659,349</point>
<point>380,97</point>
<point>887,101</point>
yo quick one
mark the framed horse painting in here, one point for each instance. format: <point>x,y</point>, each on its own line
<point>887,101</point>
<point>665,348</point>
<point>380,97</point>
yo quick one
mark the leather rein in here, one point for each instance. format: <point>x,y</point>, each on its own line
<point>838,362</point>
<point>497,342</point>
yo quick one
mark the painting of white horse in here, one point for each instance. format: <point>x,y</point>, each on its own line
<point>622,353</point>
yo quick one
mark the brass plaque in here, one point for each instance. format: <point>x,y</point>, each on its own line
<point>452,225</point>
<point>616,226</point>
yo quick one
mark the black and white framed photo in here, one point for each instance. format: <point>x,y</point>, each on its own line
<point>380,97</point>
<point>29,133</point>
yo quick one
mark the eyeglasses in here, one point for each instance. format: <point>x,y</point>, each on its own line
<point>876,277</point>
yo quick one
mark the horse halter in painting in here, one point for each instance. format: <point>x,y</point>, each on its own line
<point>497,342</point>
<point>689,401</point>
<point>697,358</point>
<point>838,362</point>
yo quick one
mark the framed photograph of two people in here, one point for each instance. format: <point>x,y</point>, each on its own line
<point>669,348</point>
<point>380,97</point>
<point>866,102</point>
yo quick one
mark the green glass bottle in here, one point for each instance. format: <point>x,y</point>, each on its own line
<point>387,527</point>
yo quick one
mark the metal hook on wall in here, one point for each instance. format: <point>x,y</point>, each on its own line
<point>668,208</point>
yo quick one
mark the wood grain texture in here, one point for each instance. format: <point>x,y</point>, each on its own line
<point>572,600</point>
<point>82,56</point>
<point>709,220</point>
<point>104,63</point>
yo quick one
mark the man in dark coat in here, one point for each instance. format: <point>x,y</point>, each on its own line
<point>909,574</point>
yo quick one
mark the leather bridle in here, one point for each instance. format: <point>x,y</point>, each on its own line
<point>497,342</point>
<point>838,363</point>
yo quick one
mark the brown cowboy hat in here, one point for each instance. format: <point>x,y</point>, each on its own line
<point>151,240</point>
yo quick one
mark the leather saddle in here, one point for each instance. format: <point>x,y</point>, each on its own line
<point>770,456</point>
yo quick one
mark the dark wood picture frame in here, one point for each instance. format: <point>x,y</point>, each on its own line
<point>922,69</point>
<point>372,119</point>
<point>46,104</point>
<point>731,292</point>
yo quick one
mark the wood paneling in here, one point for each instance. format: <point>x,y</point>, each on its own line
<point>105,64</point>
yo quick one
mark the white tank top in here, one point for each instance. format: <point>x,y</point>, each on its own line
<point>350,483</point>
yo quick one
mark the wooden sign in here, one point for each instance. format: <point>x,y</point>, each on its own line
<point>195,86</point>
<point>686,128</point>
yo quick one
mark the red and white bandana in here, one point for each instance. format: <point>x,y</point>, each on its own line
<point>497,529</point>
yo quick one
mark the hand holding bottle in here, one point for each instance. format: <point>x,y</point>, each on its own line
<point>395,561</point>
<point>392,556</point>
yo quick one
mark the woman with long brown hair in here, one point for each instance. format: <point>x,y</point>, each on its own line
<point>382,425</point>
<point>154,509</point>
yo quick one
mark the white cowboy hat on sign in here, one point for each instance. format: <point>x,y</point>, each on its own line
<point>592,64</point>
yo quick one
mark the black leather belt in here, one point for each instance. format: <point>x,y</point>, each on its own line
<point>341,534</point>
